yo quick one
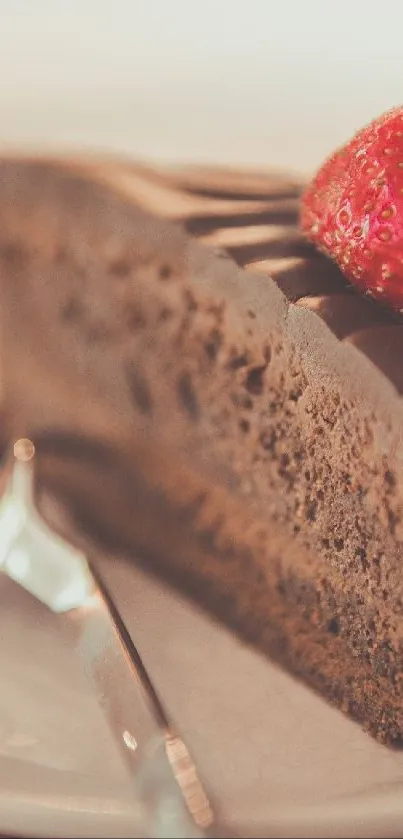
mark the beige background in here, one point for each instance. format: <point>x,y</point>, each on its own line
<point>261,81</point>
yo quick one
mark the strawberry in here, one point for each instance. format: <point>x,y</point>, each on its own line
<point>353,209</point>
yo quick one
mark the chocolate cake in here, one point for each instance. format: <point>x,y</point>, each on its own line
<point>227,409</point>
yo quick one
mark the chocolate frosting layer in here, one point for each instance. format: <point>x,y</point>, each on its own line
<point>268,240</point>
<point>254,218</point>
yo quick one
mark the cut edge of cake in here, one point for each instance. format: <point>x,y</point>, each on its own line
<point>252,394</point>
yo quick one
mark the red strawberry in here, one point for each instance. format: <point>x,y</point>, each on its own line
<point>353,209</point>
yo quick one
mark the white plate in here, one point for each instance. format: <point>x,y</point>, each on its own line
<point>60,771</point>
<point>278,759</point>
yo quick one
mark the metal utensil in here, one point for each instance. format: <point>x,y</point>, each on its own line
<point>61,577</point>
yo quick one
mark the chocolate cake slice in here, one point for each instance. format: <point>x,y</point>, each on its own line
<point>227,408</point>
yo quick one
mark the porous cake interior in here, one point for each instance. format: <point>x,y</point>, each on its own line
<point>253,362</point>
